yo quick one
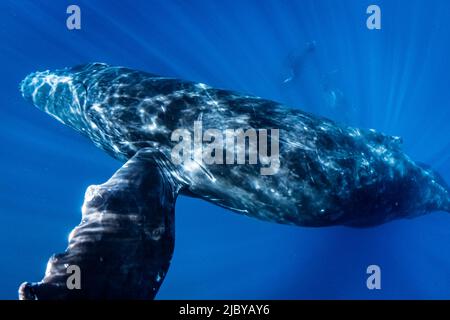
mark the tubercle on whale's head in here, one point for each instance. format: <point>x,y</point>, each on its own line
<point>61,93</point>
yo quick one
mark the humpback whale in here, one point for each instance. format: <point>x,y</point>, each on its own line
<point>329,174</point>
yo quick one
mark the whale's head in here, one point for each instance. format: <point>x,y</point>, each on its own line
<point>90,98</point>
<point>62,93</point>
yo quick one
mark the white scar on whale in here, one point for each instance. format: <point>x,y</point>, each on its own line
<point>329,174</point>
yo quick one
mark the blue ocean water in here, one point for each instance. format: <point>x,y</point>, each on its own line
<point>395,80</point>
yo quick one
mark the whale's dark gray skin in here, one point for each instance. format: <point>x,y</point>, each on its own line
<point>329,174</point>
<point>124,243</point>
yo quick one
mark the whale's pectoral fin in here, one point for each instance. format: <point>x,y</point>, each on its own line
<point>123,246</point>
